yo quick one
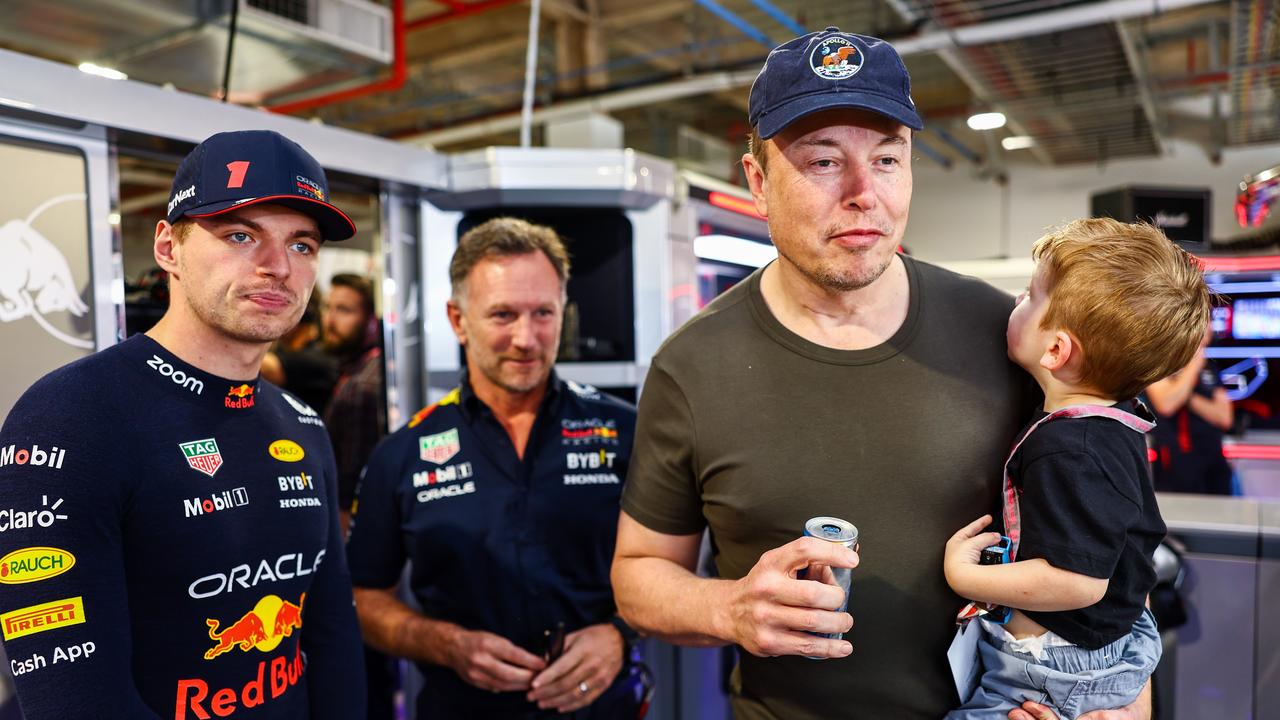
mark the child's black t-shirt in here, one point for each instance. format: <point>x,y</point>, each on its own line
<point>1087,506</point>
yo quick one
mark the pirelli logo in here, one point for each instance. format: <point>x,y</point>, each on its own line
<point>38,618</point>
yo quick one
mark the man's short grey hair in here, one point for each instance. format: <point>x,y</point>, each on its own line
<point>505,237</point>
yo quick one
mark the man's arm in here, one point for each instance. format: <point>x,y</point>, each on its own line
<point>1217,410</point>
<point>482,659</point>
<point>1026,585</point>
<point>331,641</point>
<point>64,488</point>
<point>769,612</point>
<point>1170,394</point>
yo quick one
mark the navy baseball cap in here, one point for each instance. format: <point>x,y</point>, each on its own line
<point>247,167</point>
<point>830,69</point>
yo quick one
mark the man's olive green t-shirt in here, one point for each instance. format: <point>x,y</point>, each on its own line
<point>751,430</point>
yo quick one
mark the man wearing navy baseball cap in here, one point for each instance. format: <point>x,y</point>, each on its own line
<point>193,563</point>
<point>850,381</point>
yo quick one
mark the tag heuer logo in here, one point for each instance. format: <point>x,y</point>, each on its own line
<point>440,447</point>
<point>202,455</point>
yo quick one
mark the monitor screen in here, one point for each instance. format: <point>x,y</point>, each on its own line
<point>1245,324</point>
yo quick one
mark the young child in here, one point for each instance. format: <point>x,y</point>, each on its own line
<point>1112,307</point>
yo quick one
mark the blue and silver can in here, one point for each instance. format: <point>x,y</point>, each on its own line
<point>839,531</point>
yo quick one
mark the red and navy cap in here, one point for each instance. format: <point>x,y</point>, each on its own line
<point>247,167</point>
<point>830,69</point>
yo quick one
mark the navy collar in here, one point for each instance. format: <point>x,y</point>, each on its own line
<point>165,369</point>
<point>472,406</point>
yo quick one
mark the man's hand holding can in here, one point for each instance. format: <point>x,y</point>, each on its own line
<point>774,611</point>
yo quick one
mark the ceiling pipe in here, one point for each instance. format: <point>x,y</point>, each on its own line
<point>399,72</point>
<point>958,146</point>
<point>933,41</point>
<point>976,85</point>
<point>636,97</point>
<point>733,19</point>
<point>779,16</point>
<point>918,143</point>
<point>456,11</point>
<point>1138,65</point>
<point>1040,24</point>
<point>530,68</point>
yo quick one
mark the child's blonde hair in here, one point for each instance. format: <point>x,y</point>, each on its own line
<point>1135,302</point>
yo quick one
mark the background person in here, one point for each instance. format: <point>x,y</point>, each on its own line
<point>356,418</point>
<point>1194,412</point>
<point>504,497</point>
<point>299,363</point>
<point>357,413</point>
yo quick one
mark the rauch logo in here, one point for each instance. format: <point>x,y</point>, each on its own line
<point>34,564</point>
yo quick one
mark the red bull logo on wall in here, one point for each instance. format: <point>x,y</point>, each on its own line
<point>262,628</point>
<point>38,281</point>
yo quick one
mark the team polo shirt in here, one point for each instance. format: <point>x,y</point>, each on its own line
<point>497,543</point>
<point>169,548</point>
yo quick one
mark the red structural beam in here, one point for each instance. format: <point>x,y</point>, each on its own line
<point>1257,263</point>
<point>398,73</point>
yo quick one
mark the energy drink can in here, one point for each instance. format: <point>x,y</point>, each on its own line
<point>839,531</point>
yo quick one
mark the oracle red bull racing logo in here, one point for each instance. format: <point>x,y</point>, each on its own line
<point>273,619</point>
<point>589,431</point>
<point>239,397</point>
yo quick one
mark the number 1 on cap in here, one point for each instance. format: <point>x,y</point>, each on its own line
<point>238,170</point>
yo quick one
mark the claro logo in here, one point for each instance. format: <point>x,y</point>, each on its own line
<point>177,376</point>
<point>14,519</point>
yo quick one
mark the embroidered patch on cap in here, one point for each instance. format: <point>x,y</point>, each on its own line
<point>835,58</point>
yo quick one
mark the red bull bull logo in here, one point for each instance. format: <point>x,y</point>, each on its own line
<point>269,622</point>
<point>239,397</point>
